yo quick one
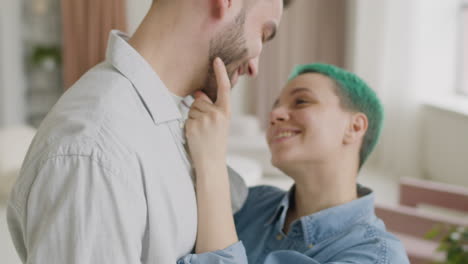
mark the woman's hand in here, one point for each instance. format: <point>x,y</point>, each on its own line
<point>208,124</point>
<point>207,131</point>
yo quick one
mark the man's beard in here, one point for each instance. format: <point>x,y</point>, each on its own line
<point>229,45</point>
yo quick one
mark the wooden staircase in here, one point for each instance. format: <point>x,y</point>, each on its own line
<point>410,224</point>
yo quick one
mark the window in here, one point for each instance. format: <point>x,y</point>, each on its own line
<point>464,48</point>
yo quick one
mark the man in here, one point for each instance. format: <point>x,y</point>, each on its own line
<point>107,178</point>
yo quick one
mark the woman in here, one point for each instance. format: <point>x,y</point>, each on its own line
<point>323,127</point>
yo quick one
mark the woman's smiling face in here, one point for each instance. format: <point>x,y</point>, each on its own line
<point>307,123</point>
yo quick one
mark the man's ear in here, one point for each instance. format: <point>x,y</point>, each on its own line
<point>357,128</point>
<point>219,8</point>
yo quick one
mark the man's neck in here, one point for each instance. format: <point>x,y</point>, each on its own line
<point>174,49</point>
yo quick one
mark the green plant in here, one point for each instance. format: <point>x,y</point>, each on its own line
<point>41,53</point>
<point>453,242</point>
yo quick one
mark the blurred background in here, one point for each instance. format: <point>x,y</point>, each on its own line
<point>413,53</point>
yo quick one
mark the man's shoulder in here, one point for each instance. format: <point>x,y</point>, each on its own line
<point>80,150</point>
<point>101,74</point>
<point>98,108</point>
<point>101,88</point>
<point>85,120</point>
<point>65,159</point>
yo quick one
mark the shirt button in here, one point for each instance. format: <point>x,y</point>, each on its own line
<point>310,246</point>
<point>279,237</point>
<point>181,124</point>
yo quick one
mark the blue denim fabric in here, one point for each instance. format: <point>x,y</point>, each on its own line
<point>348,233</point>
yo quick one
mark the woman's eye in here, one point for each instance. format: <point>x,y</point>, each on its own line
<point>300,101</point>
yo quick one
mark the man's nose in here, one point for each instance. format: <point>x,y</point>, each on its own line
<point>252,67</point>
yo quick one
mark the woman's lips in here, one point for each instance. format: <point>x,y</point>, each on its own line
<point>282,136</point>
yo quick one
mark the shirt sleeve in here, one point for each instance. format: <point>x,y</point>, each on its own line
<point>79,211</point>
<point>289,256</point>
<point>239,190</point>
<point>234,254</point>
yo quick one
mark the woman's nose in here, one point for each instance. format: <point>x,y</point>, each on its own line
<point>279,114</point>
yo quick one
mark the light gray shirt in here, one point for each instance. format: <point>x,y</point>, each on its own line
<point>107,178</point>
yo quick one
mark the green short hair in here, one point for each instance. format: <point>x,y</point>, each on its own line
<point>355,95</point>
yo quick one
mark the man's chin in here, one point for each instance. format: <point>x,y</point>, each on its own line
<point>211,93</point>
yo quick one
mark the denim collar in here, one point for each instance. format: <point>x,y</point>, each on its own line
<point>331,221</point>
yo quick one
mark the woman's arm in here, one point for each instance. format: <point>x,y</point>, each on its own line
<point>216,229</point>
<point>207,131</point>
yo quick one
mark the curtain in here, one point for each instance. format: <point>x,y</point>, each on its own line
<point>405,51</point>
<point>311,31</point>
<point>86,27</point>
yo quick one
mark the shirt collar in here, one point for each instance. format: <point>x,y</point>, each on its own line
<point>281,210</point>
<point>185,105</point>
<point>321,225</point>
<point>152,91</point>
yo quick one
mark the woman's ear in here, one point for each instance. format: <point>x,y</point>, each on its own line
<point>357,128</point>
<point>219,8</point>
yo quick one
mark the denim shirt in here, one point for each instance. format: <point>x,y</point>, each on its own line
<point>348,233</point>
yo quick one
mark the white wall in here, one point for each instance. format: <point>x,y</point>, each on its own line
<point>445,148</point>
<point>2,78</point>
<point>365,32</point>
<point>380,52</point>
<point>407,50</point>
<point>436,48</point>
<point>136,10</point>
<point>444,145</point>
<point>12,84</point>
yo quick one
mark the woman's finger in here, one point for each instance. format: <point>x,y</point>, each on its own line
<point>203,106</point>
<point>224,86</point>
<point>195,114</point>
<point>199,95</point>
